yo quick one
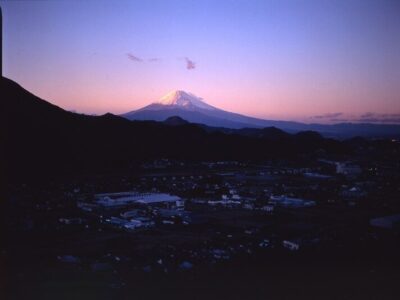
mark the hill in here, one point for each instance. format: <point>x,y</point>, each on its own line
<point>42,140</point>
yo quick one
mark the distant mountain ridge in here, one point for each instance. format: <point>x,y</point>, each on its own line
<point>196,110</point>
<point>175,121</point>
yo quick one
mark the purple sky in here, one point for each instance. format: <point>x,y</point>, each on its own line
<point>315,61</point>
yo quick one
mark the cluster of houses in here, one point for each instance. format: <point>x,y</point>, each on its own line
<point>134,210</point>
<point>285,201</point>
<point>268,206</point>
<point>126,198</point>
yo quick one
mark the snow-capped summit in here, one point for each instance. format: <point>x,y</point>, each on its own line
<point>184,100</point>
<point>193,109</point>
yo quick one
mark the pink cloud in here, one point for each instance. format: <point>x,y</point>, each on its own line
<point>190,65</point>
<point>133,57</point>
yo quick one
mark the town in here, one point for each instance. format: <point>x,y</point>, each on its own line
<point>176,217</point>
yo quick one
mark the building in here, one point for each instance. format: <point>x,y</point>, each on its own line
<point>388,222</point>
<point>89,207</point>
<point>110,200</point>
<point>184,216</point>
<point>348,169</point>
<point>225,203</point>
<point>71,221</point>
<point>268,208</point>
<point>130,224</point>
<point>132,213</point>
<point>316,175</point>
<point>145,222</point>
<point>285,201</point>
<point>293,246</point>
<point>1,43</point>
<point>353,192</point>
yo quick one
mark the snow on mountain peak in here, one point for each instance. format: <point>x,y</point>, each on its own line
<point>185,100</point>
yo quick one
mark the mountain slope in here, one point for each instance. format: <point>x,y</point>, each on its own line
<point>195,110</point>
<point>158,112</point>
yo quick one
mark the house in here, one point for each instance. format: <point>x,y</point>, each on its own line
<point>220,254</point>
<point>71,221</point>
<point>128,224</point>
<point>291,245</point>
<point>111,200</point>
<point>116,221</point>
<point>132,224</point>
<point>249,206</point>
<point>185,265</point>
<point>69,259</point>
<point>285,201</point>
<point>132,213</point>
<point>316,175</point>
<point>268,208</point>
<point>144,222</point>
<point>168,222</point>
<point>264,243</point>
<point>172,214</point>
<point>236,197</point>
<point>348,169</point>
<point>353,192</point>
<point>89,207</point>
<point>387,222</point>
<point>225,203</point>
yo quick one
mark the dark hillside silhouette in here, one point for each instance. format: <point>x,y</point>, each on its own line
<point>41,140</point>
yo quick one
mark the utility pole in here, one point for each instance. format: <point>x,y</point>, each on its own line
<point>1,43</point>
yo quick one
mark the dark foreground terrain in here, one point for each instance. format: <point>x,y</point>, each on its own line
<point>226,249</point>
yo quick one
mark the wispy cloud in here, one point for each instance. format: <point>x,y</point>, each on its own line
<point>367,115</point>
<point>134,57</point>
<point>154,59</point>
<point>190,64</point>
<point>370,117</point>
<point>341,120</point>
<point>328,116</point>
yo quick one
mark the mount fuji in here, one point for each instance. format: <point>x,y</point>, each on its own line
<point>195,110</point>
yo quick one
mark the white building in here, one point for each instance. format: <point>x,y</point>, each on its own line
<point>293,246</point>
<point>387,222</point>
<point>126,198</point>
<point>268,208</point>
<point>130,224</point>
<point>348,169</point>
<point>285,201</point>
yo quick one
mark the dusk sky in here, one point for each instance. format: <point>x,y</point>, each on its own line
<point>314,61</point>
